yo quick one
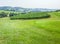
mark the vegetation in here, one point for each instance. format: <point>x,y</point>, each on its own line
<point>3,14</point>
<point>13,14</point>
<point>38,31</point>
<point>8,13</point>
<point>57,10</point>
<point>31,15</point>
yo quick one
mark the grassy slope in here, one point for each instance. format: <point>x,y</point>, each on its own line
<point>43,31</point>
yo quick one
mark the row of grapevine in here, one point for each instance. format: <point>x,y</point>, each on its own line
<point>31,15</point>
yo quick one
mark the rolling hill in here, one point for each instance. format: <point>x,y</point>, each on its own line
<point>21,9</point>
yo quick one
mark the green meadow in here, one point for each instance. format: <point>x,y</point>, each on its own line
<point>31,31</point>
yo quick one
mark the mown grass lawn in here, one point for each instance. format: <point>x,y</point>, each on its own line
<point>37,31</point>
<point>42,31</point>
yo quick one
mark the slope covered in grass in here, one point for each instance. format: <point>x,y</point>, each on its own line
<point>29,31</point>
<point>40,31</point>
<point>55,15</point>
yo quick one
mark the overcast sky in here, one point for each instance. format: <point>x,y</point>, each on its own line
<point>32,3</point>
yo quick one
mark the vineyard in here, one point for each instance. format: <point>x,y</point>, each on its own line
<point>33,15</point>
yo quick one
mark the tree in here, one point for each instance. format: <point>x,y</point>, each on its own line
<point>57,10</point>
<point>3,14</point>
<point>12,14</point>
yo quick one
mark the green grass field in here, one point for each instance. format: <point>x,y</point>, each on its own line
<point>37,31</point>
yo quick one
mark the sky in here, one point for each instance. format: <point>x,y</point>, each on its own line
<point>32,3</point>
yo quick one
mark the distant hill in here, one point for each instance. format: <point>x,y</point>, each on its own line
<point>21,9</point>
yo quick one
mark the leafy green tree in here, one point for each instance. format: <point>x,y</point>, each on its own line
<point>3,14</point>
<point>57,10</point>
<point>12,14</point>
